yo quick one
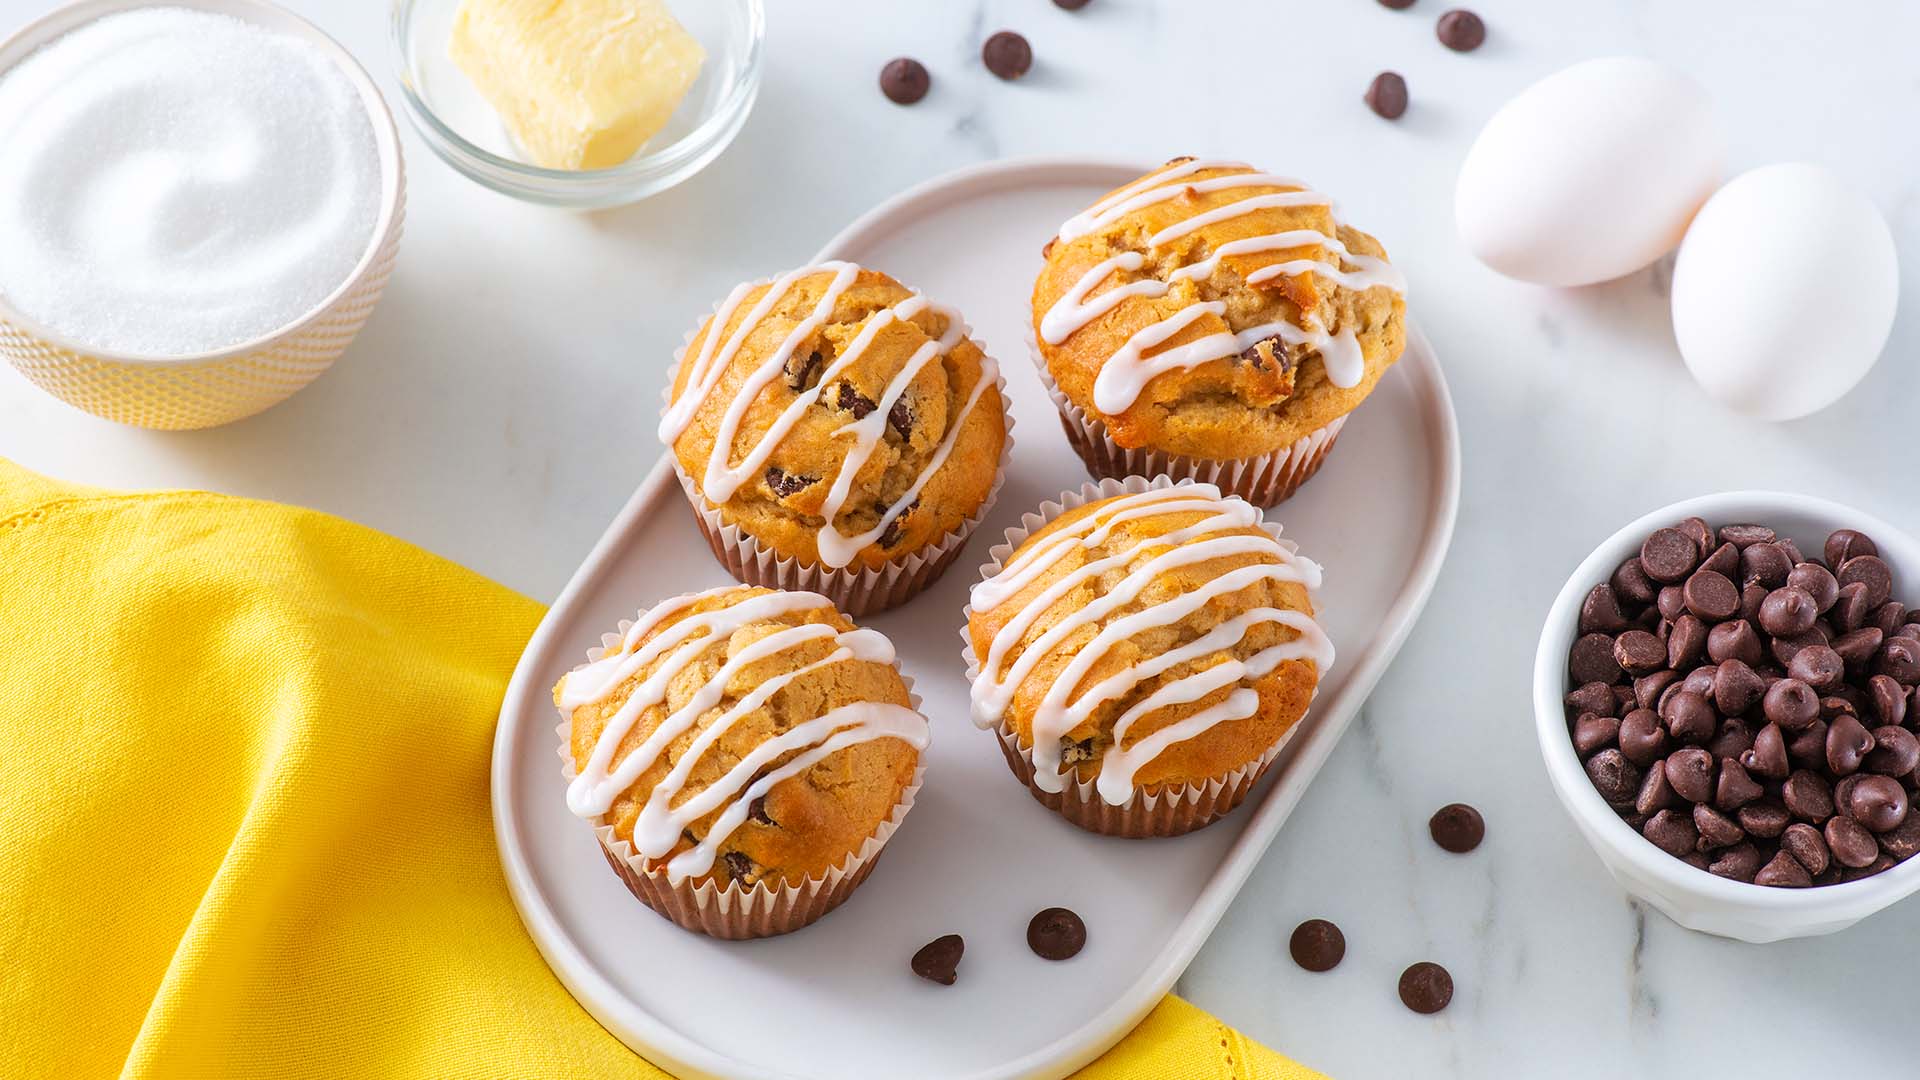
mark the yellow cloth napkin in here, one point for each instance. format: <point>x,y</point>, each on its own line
<point>243,810</point>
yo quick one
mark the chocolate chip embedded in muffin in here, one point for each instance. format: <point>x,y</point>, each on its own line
<point>803,369</point>
<point>854,401</point>
<point>900,419</point>
<point>785,484</point>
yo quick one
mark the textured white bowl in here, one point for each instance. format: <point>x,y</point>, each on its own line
<point>206,389</point>
<point>1691,897</point>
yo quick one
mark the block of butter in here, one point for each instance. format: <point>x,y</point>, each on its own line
<point>580,84</point>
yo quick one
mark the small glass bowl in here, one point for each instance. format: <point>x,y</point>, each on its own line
<point>448,111</point>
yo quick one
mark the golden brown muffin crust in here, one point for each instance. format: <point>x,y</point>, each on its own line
<point>1247,405</point>
<point>1284,693</point>
<point>808,822</point>
<point>783,504</point>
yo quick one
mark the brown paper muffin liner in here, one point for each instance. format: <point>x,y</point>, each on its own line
<point>1264,480</point>
<point>857,591</point>
<point>1170,810</point>
<point>736,912</point>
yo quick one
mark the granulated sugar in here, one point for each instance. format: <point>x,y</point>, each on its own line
<point>175,182</point>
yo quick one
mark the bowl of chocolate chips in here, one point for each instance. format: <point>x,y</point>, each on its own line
<point>1727,696</point>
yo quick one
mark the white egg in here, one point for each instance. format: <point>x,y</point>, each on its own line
<point>1590,173</point>
<point>1784,291</point>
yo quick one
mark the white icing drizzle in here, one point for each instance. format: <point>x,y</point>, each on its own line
<point>721,480</point>
<point>1142,562</point>
<point>1127,372</point>
<point>661,823</point>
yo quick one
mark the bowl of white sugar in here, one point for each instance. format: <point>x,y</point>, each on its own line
<point>202,201</point>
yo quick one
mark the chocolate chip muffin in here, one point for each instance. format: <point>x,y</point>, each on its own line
<point>1213,322</point>
<point>837,432</point>
<point>1142,649</point>
<point>741,742</point>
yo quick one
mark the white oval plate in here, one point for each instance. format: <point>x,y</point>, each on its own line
<point>978,856</point>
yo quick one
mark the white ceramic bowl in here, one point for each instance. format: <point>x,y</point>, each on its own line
<point>205,389</point>
<point>1691,897</point>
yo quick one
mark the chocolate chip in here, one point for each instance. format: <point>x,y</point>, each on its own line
<point>1056,934</point>
<point>1317,945</point>
<point>1734,639</point>
<point>1765,818</point>
<point>905,80</point>
<point>1669,556</point>
<point>1655,794</point>
<point>757,812</point>
<point>1784,872</point>
<point>1850,612</point>
<point>1903,841</point>
<point>1268,352</point>
<point>1724,561</point>
<point>1457,827</point>
<point>1733,739</point>
<point>739,867</point>
<point>900,419</point>
<point>1752,597</point>
<point>1889,617</point>
<point>1808,796</point>
<point>1764,564</point>
<point>1632,585</point>
<point>1593,697</point>
<point>1671,832</point>
<point>1592,660</point>
<point>1815,580</point>
<point>1739,862</point>
<point>1878,802</point>
<point>1690,771</point>
<point>1818,666</point>
<point>1600,611</point>
<point>1848,741</point>
<point>1070,5</point>
<point>1387,95</point>
<point>1642,738</point>
<point>1638,652</point>
<point>785,484</point>
<point>1851,843</point>
<point>1007,54</point>
<point>1870,571</point>
<point>1614,777</point>
<point>1735,788</point>
<point>1807,747</point>
<point>1648,688</point>
<point>1715,828</point>
<point>1768,756</point>
<point>1736,688</point>
<point>855,402</point>
<point>1899,659</point>
<point>1788,611</point>
<point>803,371</point>
<point>1844,544</point>
<point>1791,703</point>
<point>1745,536</point>
<point>1711,596</point>
<point>1689,719</point>
<point>1426,987</point>
<point>1807,846</point>
<point>896,528</point>
<point>939,960</point>
<point>1856,648</point>
<point>1895,752</point>
<point>1397,5</point>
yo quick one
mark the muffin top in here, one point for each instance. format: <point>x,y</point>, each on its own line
<point>1211,310</point>
<point>1164,637</point>
<point>743,735</point>
<point>837,416</point>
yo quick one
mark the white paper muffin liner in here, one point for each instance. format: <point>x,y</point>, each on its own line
<point>1263,480</point>
<point>735,912</point>
<point>858,591</point>
<point>1170,810</point>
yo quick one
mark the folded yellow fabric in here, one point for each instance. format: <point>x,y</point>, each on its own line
<point>243,810</point>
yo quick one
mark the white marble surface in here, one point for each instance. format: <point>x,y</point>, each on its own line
<point>496,410</point>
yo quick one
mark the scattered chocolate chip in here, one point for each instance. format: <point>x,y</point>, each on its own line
<point>1007,54</point>
<point>1462,29</point>
<point>1070,5</point>
<point>1387,95</point>
<point>1317,945</point>
<point>905,80</point>
<point>939,960</point>
<point>1056,934</point>
<point>1426,987</point>
<point>1397,5</point>
<point>1457,827</point>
